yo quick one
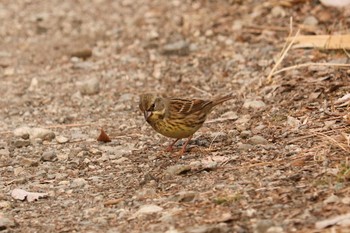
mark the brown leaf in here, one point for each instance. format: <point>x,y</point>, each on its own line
<point>103,137</point>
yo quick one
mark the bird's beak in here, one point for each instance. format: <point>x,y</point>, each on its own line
<point>147,114</point>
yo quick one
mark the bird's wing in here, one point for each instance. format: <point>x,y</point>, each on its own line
<point>188,107</point>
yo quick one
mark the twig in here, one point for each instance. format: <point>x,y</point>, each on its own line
<point>283,55</point>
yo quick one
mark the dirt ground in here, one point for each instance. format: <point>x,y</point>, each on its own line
<point>274,159</point>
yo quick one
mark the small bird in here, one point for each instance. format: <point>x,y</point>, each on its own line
<point>175,117</point>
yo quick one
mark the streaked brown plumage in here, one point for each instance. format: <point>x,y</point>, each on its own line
<point>175,117</point>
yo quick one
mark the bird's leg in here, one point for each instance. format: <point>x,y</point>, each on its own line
<point>183,150</point>
<point>170,147</point>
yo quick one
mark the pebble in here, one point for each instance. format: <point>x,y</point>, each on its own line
<point>245,147</point>
<point>177,170</point>
<point>33,84</point>
<point>149,209</point>
<point>29,162</point>
<point>49,156</point>
<point>278,11</point>
<point>78,183</point>
<point>332,199</point>
<point>217,228</point>
<point>261,226</point>
<point>62,139</point>
<point>44,134</point>
<point>255,104</point>
<point>184,196</point>
<point>22,132</point>
<point>218,136</point>
<point>89,87</point>
<point>181,48</point>
<point>258,140</point>
<point>6,222</point>
<point>245,134</point>
<point>275,229</point>
<point>82,53</point>
<point>18,170</point>
<point>5,205</point>
<point>18,143</point>
<point>311,21</point>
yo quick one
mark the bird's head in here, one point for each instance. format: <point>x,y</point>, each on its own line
<point>152,106</point>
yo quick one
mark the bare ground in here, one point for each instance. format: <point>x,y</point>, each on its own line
<point>275,159</point>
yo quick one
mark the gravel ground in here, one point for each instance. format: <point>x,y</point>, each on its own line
<point>274,159</point>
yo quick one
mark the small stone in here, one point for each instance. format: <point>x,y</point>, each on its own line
<point>177,170</point>
<point>245,147</point>
<point>49,156</point>
<point>184,196</point>
<point>22,132</point>
<point>82,53</point>
<point>258,140</point>
<point>89,87</point>
<point>18,171</point>
<point>44,134</point>
<point>6,223</point>
<point>275,229</point>
<point>278,11</point>
<point>332,199</point>
<point>245,134</point>
<point>262,226</point>
<point>21,143</point>
<point>181,48</point>
<point>218,228</point>
<point>346,200</point>
<point>78,183</point>
<point>218,136</point>
<point>61,139</point>
<point>33,84</point>
<point>6,205</point>
<point>255,104</point>
<point>311,21</point>
<point>29,162</point>
<point>149,209</point>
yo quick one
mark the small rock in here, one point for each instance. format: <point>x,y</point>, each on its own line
<point>311,21</point>
<point>22,132</point>
<point>49,156</point>
<point>184,196</point>
<point>6,223</point>
<point>181,48</point>
<point>82,53</point>
<point>89,87</point>
<point>258,140</point>
<point>245,134</point>
<point>293,122</point>
<point>245,147</point>
<point>218,136</point>
<point>18,170</point>
<point>149,209</point>
<point>262,226</point>
<point>332,199</point>
<point>78,183</point>
<point>346,200</point>
<point>275,229</point>
<point>44,134</point>
<point>18,143</point>
<point>5,205</point>
<point>177,170</point>
<point>255,104</point>
<point>61,139</point>
<point>218,228</point>
<point>29,162</point>
<point>278,11</point>
<point>33,84</point>
<point>230,115</point>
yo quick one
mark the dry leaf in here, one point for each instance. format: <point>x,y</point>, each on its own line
<point>343,99</point>
<point>20,194</point>
<point>103,137</point>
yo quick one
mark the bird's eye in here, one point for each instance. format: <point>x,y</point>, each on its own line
<point>152,107</point>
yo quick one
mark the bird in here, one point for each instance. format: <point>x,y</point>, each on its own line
<point>177,117</point>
